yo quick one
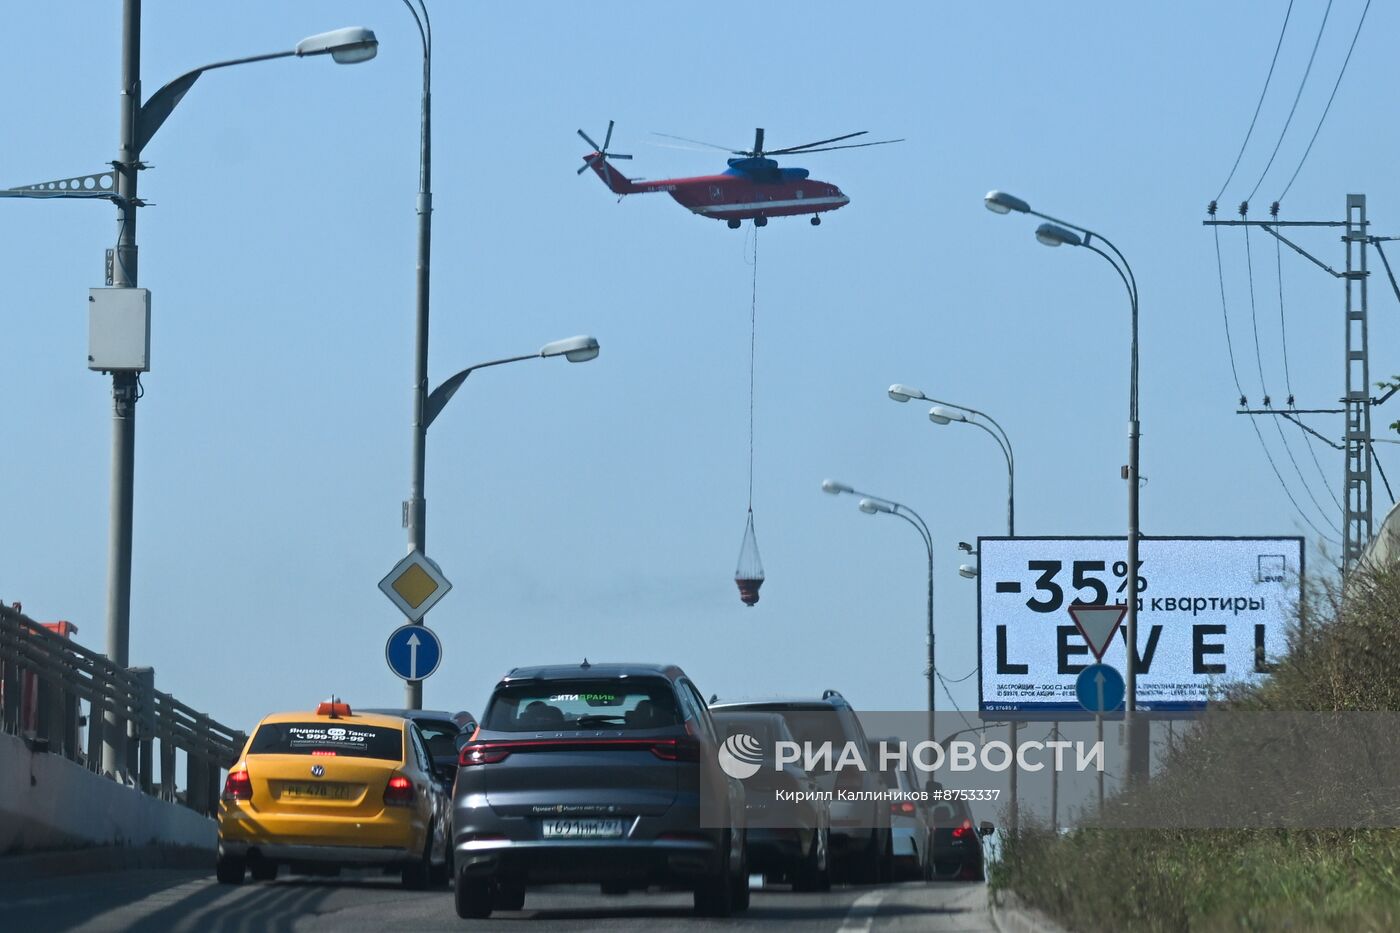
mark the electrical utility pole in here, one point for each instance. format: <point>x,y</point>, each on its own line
<point>1357,511</point>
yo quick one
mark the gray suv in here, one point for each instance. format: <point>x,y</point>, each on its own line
<point>862,848</point>
<point>592,773</point>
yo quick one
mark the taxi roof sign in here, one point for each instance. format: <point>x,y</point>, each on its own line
<point>415,585</point>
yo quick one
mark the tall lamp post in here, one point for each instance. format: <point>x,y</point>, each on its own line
<point>1055,232</point>
<point>574,349</point>
<point>139,123</point>
<point>941,414</point>
<point>415,510</point>
<point>947,413</point>
<point>872,505</point>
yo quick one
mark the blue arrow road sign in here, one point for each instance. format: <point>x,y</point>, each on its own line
<point>1100,688</point>
<point>413,652</point>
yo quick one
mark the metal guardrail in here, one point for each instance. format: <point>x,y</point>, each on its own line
<point>51,688</point>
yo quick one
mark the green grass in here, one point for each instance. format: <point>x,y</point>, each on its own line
<point>1095,878</point>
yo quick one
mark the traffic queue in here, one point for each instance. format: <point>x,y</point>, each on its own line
<point>615,775</point>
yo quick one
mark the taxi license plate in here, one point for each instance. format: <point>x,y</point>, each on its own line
<point>316,791</point>
<point>582,829</point>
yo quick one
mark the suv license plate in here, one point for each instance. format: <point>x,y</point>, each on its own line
<point>582,829</point>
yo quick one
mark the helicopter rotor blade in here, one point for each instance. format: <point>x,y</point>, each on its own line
<point>821,142</point>
<point>618,155</point>
<point>608,138</point>
<point>589,140</point>
<point>757,143</point>
<point>701,142</point>
<point>883,142</point>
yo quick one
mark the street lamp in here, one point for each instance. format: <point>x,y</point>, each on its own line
<point>1056,232</point>
<point>948,413</point>
<point>579,349</point>
<point>873,505</point>
<point>139,123</point>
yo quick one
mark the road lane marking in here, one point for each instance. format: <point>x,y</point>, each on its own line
<point>862,912</point>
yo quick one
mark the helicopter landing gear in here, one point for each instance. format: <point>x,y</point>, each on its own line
<point>733,224</point>
<point>816,221</point>
<point>760,221</point>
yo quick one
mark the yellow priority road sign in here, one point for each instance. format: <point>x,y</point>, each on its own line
<point>415,585</point>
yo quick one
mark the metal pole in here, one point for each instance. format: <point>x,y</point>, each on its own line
<point>416,509</point>
<point>1015,808</point>
<point>1137,735</point>
<point>124,384</point>
<point>1098,721</point>
<point>932,670</point>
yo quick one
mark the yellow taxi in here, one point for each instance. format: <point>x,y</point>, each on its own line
<point>316,791</point>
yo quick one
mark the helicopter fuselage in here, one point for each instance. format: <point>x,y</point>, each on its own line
<point>751,189</point>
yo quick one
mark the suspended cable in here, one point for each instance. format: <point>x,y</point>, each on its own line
<point>1229,345</point>
<point>1282,323</point>
<point>1292,110</point>
<point>1259,359</point>
<point>1234,370</point>
<point>1288,381</point>
<point>1377,461</point>
<point>1301,514</point>
<point>1320,120</point>
<point>1254,315</point>
<point>956,707</point>
<point>1258,106</point>
<point>1391,275</point>
<point>749,576</point>
<point>753,343</point>
<point>966,676</point>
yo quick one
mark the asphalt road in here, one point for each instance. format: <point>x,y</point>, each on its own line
<point>192,902</point>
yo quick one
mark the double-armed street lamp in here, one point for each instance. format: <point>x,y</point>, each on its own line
<point>139,123</point>
<point>949,413</point>
<point>1056,232</point>
<point>879,505</point>
<point>579,349</point>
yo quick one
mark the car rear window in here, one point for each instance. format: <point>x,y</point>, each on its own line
<point>328,738</point>
<point>595,705</point>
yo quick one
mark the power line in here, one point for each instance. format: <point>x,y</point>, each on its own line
<point>1234,370</point>
<point>1229,345</point>
<point>1286,492</point>
<point>1292,110</point>
<point>1320,120</point>
<point>1258,106</point>
<point>1259,359</point>
<point>1288,381</point>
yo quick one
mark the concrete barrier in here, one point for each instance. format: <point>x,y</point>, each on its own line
<point>48,802</point>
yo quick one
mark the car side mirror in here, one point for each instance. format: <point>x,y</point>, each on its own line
<point>985,828</point>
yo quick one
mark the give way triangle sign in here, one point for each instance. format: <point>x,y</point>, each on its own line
<point>1097,624</point>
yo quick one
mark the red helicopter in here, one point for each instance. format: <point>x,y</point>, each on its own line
<point>753,188</point>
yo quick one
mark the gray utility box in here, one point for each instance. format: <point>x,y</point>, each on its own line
<point>119,329</point>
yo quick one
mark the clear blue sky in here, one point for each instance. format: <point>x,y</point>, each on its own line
<point>597,510</point>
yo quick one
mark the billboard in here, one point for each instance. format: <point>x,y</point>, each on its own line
<point>1212,612</point>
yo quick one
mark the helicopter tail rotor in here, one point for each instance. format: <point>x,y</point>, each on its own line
<point>598,160</point>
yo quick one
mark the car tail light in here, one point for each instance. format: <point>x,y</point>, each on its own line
<point>963,831</point>
<point>684,748</point>
<point>902,808</point>
<point>238,786</point>
<point>399,792</point>
<point>484,754</point>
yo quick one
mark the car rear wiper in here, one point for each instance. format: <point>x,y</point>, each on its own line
<point>595,719</point>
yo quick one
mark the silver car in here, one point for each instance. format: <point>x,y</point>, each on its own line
<point>592,773</point>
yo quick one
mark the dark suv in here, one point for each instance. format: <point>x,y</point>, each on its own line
<point>861,845</point>
<point>593,773</point>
